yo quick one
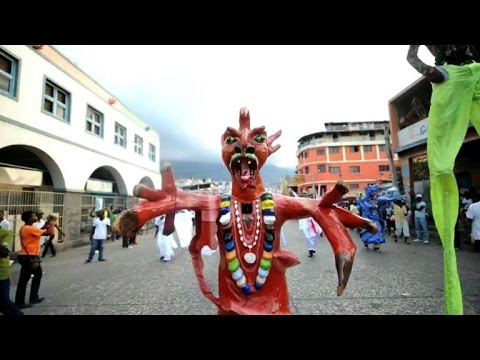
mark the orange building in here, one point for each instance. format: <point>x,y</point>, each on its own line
<point>353,152</point>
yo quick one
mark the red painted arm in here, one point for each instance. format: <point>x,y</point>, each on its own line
<point>160,202</point>
<point>332,219</point>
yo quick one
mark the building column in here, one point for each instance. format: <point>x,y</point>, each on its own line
<point>71,219</point>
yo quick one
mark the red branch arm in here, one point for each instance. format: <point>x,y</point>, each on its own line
<point>333,220</point>
<point>161,202</point>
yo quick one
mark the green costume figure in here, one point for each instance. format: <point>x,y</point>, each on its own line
<point>455,101</point>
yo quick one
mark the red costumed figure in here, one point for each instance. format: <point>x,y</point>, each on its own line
<point>247,224</point>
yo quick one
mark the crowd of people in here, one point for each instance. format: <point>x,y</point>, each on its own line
<point>396,218</point>
<point>34,234</point>
<point>393,217</point>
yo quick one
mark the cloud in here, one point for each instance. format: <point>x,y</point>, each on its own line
<point>190,94</point>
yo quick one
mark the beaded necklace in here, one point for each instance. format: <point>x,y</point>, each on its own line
<point>268,212</point>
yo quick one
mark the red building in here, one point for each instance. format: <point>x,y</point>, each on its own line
<point>354,153</point>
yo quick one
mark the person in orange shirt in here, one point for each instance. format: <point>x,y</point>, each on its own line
<point>30,242</point>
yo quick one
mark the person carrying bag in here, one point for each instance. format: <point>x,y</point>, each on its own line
<point>29,259</point>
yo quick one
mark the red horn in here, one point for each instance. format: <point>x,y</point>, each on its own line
<point>244,118</point>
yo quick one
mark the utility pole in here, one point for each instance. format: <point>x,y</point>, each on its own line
<point>386,135</point>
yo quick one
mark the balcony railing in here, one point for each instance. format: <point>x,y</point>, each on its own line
<point>357,140</point>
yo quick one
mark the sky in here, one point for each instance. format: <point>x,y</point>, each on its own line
<point>190,94</point>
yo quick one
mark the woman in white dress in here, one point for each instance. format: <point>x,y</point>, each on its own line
<point>312,231</point>
<point>165,243</point>
<point>184,227</point>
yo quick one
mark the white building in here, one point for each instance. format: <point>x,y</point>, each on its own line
<point>65,140</point>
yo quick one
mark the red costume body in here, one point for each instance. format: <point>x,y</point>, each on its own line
<point>244,152</point>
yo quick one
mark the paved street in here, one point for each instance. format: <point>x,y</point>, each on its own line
<point>402,279</point>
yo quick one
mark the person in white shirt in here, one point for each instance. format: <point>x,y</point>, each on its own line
<point>165,243</point>
<point>4,224</point>
<point>183,227</point>
<point>421,226</point>
<point>100,231</point>
<point>467,201</point>
<point>40,223</point>
<point>312,231</point>
<point>354,208</point>
<point>473,215</point>
<point>158,222</point>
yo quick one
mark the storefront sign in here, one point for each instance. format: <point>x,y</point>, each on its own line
<point>413,133</point>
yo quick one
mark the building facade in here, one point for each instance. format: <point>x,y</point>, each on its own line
<point>409,124</point>
<point>354,153</point>
<point>66,143</point>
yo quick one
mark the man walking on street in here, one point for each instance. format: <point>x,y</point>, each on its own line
<point>421,226</point>
<point>100,231</point>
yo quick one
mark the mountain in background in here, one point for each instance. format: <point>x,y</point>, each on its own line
<point>271,174</point>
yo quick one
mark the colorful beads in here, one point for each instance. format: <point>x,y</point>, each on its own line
<point>246,290</point>
<point>236,275</point>
<point>230,246</point>
<point>266,196</point>
<point>265,264</point>
<point>225,218</point>
<point>263,273</point>
<point>267,255</point>
<point>231,255</point>
<point>269,237</point>
<point>268,212</point>
<point>227,236</point>
<point>267,204</point>
<point>260,280</point>
<point>225,206</point>
<point>267,246</point>
<point>242,281</point>
<point>233,263</point>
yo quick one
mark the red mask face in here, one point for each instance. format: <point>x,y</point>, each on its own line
<point>245,151</point>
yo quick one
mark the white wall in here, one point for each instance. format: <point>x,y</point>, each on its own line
<point>71,165</point>
<point>27,109</point>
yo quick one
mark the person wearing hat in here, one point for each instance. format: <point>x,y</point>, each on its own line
<point>421,226</point>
